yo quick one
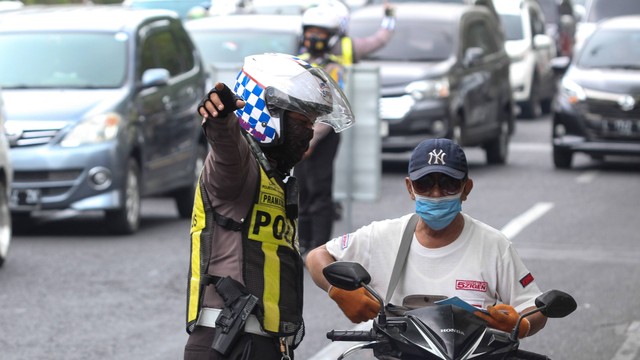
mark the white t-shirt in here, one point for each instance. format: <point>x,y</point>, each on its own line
<point>480,267</point>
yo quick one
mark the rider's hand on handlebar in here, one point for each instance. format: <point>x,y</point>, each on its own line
<point>504,317</point>
<point>357,305</point>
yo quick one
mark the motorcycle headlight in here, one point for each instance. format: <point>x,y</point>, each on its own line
<point>571,91</point>
<point>425,89</point>
<point>94,130</point>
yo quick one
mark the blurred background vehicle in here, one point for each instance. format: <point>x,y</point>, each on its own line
<point>181,7</point>
<point>560,21</point>
<point>597,109</point>
<point>598,10</point>
<point>224,41</point>
<point>6,177</point>
<point>445,73</point>
<point>101,110</point>
<point>531,50</point>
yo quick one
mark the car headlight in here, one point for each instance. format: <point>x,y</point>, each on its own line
<point>571,91</point>
<point>424,89</point>
<point>94,130</point>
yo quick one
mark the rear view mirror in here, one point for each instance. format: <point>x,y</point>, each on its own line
<point>155,77</point>
<point>346,275</point>
<point>556,304</point>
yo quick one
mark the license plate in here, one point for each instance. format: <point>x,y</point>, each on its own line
<point>622,127</point>
<point>25,198</point>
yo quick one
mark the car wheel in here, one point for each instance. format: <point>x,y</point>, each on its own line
<point>126,220</point>
<point>5,224</point>
<point>497,149</point>
<point>562,157</point>
<point>532,108</point>
<point>184,197</point>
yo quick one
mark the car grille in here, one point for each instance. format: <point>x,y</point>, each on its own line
<point>32,133</point>
<point>607,120</point>
<point>41,176</point>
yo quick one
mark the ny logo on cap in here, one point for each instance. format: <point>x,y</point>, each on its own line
<point>437,158</point>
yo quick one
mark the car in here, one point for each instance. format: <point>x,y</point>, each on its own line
<point>444,73</point>
<point>531,51</point>
<point>224,41</point>
<point>597,109</point>
<point>560,20</point>
<point>599,10</point>
<point>6,177</point>
<point>182,7</point>
<point>107,116</point>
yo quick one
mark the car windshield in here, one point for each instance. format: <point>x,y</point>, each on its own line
<point>605,9</point>
<point>233,47</point>
<point>611,49</point>
<point>414,40</point>
<point>512,26</point>
<point>63,60</point>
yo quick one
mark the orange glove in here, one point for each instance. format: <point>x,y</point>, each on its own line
<point>358,305</point>
<point>504,317</point>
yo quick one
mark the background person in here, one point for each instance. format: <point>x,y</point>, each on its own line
<point>327,45</point>
<point>451,253</point>
<point>244,246</point>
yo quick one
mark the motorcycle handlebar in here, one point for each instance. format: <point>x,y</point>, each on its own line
<point>351,335</point>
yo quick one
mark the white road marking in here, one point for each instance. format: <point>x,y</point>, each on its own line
<point>516,225</point>
<point>586,177</point>
<point>630,348</point>
<point>522,146</point>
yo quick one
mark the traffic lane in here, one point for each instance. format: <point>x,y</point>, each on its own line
<point>72,292</point>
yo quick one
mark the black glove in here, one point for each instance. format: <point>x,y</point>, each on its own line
<point>228,98</point>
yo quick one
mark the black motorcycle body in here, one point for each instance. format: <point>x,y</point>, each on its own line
<point>445,332</point>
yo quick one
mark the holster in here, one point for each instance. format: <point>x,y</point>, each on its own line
<point>238,305</point>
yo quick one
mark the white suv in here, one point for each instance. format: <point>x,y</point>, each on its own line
<point>531,51</point>
<point>6,176</point>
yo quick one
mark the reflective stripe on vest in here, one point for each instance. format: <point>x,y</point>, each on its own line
<point>200,243</point>
<point>347,51</point>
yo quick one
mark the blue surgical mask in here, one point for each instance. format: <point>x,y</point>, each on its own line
<point>438,212</point>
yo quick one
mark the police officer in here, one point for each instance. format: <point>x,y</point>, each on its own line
<point>244,248</point>
<point>327,45</point>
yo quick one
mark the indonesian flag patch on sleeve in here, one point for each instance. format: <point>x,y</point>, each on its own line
<point>526,280</point>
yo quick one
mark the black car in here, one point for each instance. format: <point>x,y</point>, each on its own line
<point>597,109</point>
<point>101,110</point>
<point>445,73</point>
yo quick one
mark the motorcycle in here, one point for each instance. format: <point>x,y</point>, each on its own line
<point>446,332</point>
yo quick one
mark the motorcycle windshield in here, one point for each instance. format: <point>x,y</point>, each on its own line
<point>456,331</point>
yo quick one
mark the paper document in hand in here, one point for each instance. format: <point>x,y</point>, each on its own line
<point>460,303</point>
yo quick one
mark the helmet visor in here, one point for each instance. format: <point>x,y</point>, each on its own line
<point>316,95</point>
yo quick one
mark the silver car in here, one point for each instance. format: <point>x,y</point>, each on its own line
<point>101,106</point>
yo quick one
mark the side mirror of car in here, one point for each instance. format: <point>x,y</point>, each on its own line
<point>542,41</point>
<point>472,56</point>
<point>155,77</point>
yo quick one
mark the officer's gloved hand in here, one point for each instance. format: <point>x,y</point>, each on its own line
<point>220,102</point>
<point>358,305</point>
<point>504,317</point>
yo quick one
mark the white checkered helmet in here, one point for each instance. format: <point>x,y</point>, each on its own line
<point>272,83</point>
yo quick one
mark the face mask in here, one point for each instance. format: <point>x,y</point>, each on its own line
<point>438,213</point>
<point>295,143</point>
<point>317,45</point>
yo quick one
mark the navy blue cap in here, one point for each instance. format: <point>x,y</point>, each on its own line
<point>438,155</point>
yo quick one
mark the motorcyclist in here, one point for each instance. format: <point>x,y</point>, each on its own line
<point>326,45</point>
<point>244,247</point>
<point>451,253</point>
